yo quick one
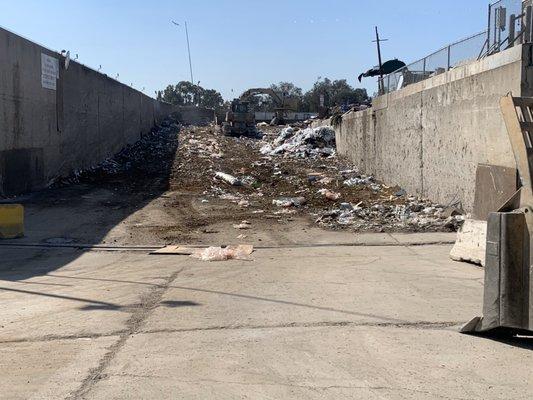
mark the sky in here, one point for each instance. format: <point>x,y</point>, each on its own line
<point>239,44</point>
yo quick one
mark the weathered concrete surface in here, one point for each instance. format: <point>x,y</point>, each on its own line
<point>430,136</point>
<point>45,132</point>
<point>302,322</point>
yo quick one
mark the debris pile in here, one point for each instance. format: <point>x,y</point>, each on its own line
<point>144,156</point>
<point>415,215</point>
<point>303,143</point>
<point>294,172</point>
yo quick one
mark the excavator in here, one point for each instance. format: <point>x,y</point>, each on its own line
<point>240,121</point>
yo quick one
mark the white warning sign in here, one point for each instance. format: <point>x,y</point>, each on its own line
<point>49,71</point>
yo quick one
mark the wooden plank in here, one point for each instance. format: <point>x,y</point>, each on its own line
<point>175,250</point>
<point>517,139</point>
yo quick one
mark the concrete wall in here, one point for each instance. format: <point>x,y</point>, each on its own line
<point>429,137</point>
<point>45,132</point>
<point>266,116</point>
<point>193,115</point>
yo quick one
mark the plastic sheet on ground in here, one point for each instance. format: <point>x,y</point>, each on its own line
<point>239,252</point>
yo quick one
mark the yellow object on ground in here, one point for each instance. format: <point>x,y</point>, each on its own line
<point>11,221</point>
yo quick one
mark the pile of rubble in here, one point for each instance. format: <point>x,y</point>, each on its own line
<point>303,143</point>
<point>416,215</point>
<point>143,156</point>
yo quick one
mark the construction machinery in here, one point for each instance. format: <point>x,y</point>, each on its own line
<point>240,120</point>
<point>508,288</point>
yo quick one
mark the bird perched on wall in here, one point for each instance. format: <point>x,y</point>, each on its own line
<point>387,68</point>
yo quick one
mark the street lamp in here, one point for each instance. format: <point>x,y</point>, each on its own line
<point>188,47</point>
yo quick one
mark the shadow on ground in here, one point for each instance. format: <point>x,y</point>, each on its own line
<point>84,213</point>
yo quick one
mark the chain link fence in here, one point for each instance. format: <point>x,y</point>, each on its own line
<point>454,55</point>
<point>507,24</point>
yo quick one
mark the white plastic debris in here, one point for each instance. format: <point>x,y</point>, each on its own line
<point>243,225</point>
<point>240,252</point>
<point>230,179</point>
<point>303,143</point>
<point>289,201</point>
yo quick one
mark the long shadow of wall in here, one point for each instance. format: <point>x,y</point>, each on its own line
<point>85,212</point>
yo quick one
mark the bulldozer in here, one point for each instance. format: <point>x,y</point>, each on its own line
<point>240,121</point>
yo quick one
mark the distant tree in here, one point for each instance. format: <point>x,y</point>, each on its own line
<point>186,93</point>
<point>336,93</point>
<point>287,89</point>
<point>263,102</point>
<point>210,98</point>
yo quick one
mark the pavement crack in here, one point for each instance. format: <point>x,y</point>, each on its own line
<point>326,324</point>
<point>418,325</point>
<point>149,301</point>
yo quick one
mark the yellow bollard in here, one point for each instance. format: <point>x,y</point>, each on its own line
<point>11,221</point>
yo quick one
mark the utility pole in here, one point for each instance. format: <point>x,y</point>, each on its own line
<point>188,48</point>
<point>378,44</point>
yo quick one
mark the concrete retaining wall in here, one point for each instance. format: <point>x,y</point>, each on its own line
<point>46,132</point>
<point>429,137</point>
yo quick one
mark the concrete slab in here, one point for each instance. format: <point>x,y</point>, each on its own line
<point>68,293</point>
<point>48,369</point>
<point>309,322</point>
<point>308,285</point>
<point>341,362</point>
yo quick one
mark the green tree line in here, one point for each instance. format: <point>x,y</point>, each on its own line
<point>335,93</point>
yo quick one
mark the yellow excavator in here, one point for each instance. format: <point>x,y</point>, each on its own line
<point>240,121</point>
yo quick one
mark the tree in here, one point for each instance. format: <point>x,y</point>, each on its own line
<point>186,93</point>
<point>210,98</point>
<point>287,89</point>
<point>336,93</point>
<point>263,102</point>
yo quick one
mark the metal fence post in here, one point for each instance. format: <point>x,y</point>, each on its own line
<point>526,37</point>
<point>449,57</point>
<point>488,30</point>
<point>512,23</point>
<point>424,69</point>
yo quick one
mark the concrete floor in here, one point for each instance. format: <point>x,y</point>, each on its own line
<point>319,322</point>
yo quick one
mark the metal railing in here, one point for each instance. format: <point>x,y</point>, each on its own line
<point>451,56</point>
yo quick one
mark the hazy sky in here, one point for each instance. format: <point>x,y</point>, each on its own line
<point>238,44</point>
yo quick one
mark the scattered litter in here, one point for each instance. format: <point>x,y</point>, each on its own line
<point>230,179</point>
<point>243,225</point>
<point>328,194</point>
<point>400,193</point>
<point>289,202</point>
<point>239,252</point>
<point>241,236</point>
<point>243,203</point>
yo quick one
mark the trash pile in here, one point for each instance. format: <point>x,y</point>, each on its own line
<point>303,143</point>
<point>415,215</point>
<point>144,156</point>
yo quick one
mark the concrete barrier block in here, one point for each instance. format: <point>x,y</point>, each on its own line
<point>11,221</point>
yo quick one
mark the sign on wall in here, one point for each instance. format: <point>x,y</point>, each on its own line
<point>49,71</point>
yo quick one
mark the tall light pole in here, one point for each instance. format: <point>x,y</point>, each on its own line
<point>188,47</point>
